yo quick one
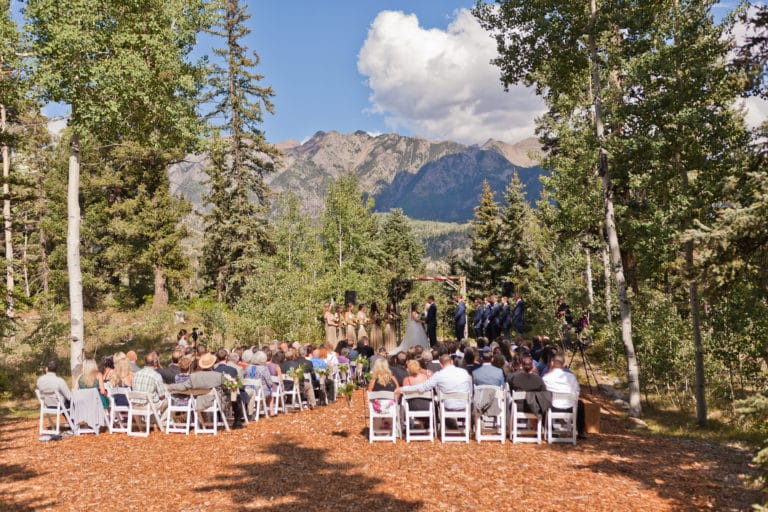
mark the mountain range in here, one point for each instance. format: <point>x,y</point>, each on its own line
<point>439,181</point>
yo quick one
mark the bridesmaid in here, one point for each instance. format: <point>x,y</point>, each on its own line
<point>349,318</point>
<point>330,325</point>
<point>374,319</point>
<point>362,321</point>
<point>341,324</point>
<point>390,328</point>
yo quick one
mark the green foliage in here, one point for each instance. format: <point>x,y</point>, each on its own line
<point>237,229</point>
<point>755,409</point>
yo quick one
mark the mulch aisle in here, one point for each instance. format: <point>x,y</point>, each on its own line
<point>319,460</point>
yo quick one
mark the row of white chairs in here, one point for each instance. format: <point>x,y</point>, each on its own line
<point>384,423</point>
<point>131,412</point>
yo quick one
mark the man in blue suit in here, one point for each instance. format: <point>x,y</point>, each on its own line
<point>460,318</point>
<point>477,318</point>
<point>518,315</point>
<point>492,323</point>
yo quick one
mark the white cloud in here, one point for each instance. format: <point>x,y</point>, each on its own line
<point>440,84</point>
<point>757,111</point>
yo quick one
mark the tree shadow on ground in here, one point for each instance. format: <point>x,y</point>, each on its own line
<point>293,477</point>
<point>14,473</point>
<point>694,474</point>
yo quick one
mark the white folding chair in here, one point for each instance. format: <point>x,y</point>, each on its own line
<point>53,404</point>
<point>293,394</point>
<point>410,416</point>
<point>561,426</point>
<point>118,409</point>
<point>140,407</point>
<point>462,416</point>
<point>278,397</point>
<point>521,428</point>
<point>256,403</point>
<point>217,416</point>
<point>87,411</point>
<point>385,429</point>
<point>179,406</point>
<point>485,422</point>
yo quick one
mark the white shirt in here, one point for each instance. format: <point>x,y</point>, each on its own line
<point>559,381</point>
<point>451,379</point>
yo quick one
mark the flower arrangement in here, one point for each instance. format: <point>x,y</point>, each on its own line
<point>323,372</point>
<point>232,383</point>
<point>343,368</point>
<point>297,373</point>
<point>361,360</point>
<point>346,391</point>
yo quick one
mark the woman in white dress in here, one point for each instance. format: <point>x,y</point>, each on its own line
<point>414,332</point>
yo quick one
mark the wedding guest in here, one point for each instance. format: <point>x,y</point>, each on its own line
<point>122,377</point>
<point>90,377</point>
<point>331,325</point>
<point>350,319</point>
<point>49,383</point>
<point>390,328</point>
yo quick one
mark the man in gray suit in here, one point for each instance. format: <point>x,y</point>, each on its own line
<point>206,378</point>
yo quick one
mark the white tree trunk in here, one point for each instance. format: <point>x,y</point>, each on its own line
<point>76,315</point>
<point>588,277</point>
<point>633,373</point>
<point>9,278</point>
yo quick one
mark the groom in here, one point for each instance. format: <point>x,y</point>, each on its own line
<point>431,320</point>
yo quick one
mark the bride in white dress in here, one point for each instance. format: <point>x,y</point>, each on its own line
<point>414,332</point>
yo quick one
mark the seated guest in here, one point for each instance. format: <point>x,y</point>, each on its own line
<point>106,368</point>
<point>149,381</point>
<point>319,362</point>
<point>488,374</point>
<point>470,362</point>
<point>344,356</point>
<point>416,376</point>
<point>291,361</point>
<point>90,377</point>
<point>526,379</point>
<point>122,377</point>
<point>185,364</point>
<point>450,379</point>
<point>169,373</point>
<point>382,380</point>
<point>381,354</point>
<point>398,369</point>
<point>226,363</point>
<point>205,378</point>
<point>200,350</point>
<point>132,358</point>
<point>49,383</point>
<point>257,369</point>
<point>557,380</point>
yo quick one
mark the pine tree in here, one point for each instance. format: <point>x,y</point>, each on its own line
<point>484,271</point>
<point>238,221</point>
<point>516,223</point>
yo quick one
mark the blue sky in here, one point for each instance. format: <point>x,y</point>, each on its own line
<point>418,67</point>
<point>309,55</point>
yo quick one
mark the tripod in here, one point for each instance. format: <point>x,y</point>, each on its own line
<point>579,348</point>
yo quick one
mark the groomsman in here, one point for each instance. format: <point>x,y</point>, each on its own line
<point>431,320</point>
<point>492,323</point>
<point>460,318</point>
<point>477,318</point>
<point>505,318</point>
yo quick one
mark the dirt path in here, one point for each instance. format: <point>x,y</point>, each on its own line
<point>319,460</point>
